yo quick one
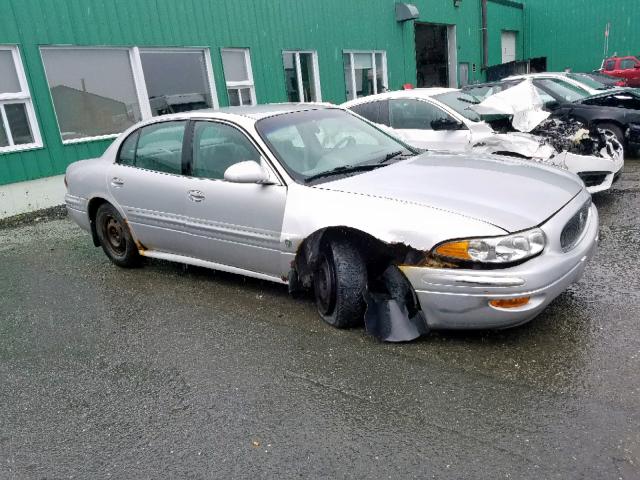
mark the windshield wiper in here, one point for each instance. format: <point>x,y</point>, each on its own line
<point>343,169</point>
<point>390,156</point>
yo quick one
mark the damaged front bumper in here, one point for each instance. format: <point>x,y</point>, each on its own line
<point>598,173</point>
<point>460,299</point>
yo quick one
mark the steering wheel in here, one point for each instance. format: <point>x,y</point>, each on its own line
<point>344,143</point>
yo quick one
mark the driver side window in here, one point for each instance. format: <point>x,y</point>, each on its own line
<point>411,114</point>
<point>217,146</point>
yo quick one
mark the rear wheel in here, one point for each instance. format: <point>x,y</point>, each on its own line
<point>340,280</point>
<point>115,237</point>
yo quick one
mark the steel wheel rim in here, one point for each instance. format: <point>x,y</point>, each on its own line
<point>325,286</point>
<point>114,235</point>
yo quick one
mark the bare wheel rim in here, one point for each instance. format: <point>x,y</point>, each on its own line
<point>325,286</point>
<point>114,235</point>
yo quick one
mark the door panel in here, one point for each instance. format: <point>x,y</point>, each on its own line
<point>148,185</point>
<point>229,223</point>
<point>154,205</point>
<point>237,224</point>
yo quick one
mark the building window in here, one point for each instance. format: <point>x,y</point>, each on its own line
<point>93,91</point>
<point>365,73</point>
<point>239,76</point>
<point>176,80</point>
<point>301,76</point>
<point>99,92</point>
<point>18,125</point>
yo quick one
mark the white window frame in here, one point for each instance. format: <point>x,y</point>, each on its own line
<point>24,97</point>
<point>316,72</point>
<point>138,81</point>
<point>385,78</point>
<point>250,84</point>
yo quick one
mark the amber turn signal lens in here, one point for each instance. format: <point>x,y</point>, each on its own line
<point>510,302</point>
<point>458,250</point>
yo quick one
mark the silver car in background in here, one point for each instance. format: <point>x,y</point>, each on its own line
<point>314,197</point>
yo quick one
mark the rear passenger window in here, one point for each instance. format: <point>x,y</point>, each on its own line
<point>367,110</point>
<point>217,146</point>
<point>156,147</point>
<point>128,149</point>
<point>376,112</point>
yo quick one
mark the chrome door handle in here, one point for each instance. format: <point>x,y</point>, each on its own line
<point>117,182</point>
<point>196,196</point>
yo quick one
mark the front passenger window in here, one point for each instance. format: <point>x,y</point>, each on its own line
<point>217,146</point>
<point>410,114</point>
<point>627,64</point>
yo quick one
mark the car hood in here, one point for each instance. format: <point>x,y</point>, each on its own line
<point>510,194</point>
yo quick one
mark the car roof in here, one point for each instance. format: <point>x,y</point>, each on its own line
<point>257,112</point>
<point>485,84</point>
<point>537,75</point>
<point>254,112</point>
<point>409,93</point>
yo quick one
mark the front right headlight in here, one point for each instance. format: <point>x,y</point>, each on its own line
<point>493,250</point>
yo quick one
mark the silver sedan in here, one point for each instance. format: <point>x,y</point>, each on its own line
<point>316,198</point>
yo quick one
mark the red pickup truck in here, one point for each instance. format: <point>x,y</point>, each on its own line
<point>623,67</point>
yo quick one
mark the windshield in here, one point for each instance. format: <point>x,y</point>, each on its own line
<point>587,80</point>
<point>314,142</point>
<point>461,102</point>
<point>560,90</point>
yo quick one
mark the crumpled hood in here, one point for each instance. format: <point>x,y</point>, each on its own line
<point>523,144</point>
<point>511,194</point>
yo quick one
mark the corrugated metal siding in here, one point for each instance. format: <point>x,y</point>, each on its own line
<point>501,18</point>
<point>265,26</point>
<point>571,33</point>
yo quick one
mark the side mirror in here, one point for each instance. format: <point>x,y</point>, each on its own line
<point>552,105</point>
<point>446,124</point>
<point>248,171</point>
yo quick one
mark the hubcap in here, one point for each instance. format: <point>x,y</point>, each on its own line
<point>114,236</point>
<point>325,286</point>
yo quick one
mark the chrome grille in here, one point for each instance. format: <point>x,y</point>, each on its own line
<point>573,230</point>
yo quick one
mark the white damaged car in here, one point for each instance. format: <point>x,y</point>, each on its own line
<point>446,119</point>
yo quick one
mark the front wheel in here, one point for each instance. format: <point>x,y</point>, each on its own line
<point>340,280</point>
<point>115,238</point>
<point>615,129</point>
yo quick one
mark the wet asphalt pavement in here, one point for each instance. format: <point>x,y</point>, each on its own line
<point>175,372</point>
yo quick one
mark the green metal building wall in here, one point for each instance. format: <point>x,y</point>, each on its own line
<point>570,33</point>
<point>265,26</point>
<point>502,17</point>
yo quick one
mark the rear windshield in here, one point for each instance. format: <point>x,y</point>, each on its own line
<point>461,102</point>
<point>587,80</point>
<point>562,90</point>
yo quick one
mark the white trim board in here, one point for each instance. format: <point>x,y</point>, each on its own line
<point>24,197</point>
